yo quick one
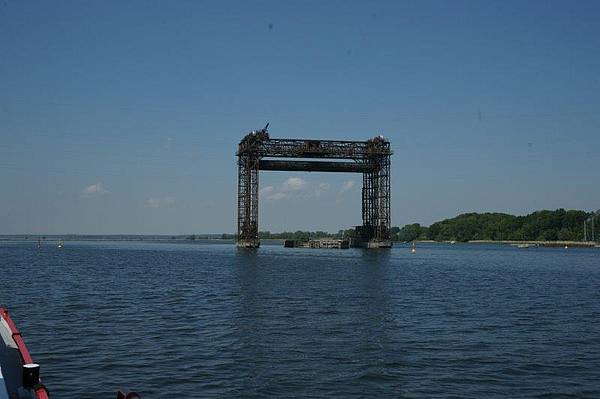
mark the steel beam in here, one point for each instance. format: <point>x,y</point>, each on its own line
<point>314,166</point>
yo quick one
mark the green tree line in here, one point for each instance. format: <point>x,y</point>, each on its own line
<point>545,225</point>
<point>542,225</point>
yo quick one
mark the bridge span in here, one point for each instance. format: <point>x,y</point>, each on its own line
<point>258,151</point>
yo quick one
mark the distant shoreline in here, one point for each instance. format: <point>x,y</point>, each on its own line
<point>581,244</point>
<point>217,238</point>
<point>119,237</point>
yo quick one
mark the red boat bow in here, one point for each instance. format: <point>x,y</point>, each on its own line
<point>40,390</point>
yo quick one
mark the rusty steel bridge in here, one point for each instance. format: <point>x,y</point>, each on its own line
<point>257,151</point>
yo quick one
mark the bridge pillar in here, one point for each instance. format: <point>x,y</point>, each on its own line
<point>247,228</point>
<point>376,194</point>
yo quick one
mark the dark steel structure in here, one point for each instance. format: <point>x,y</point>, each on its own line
<point>371,158</point>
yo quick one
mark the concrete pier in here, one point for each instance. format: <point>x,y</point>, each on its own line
<point>248,243</point>
<point>373,244</point>
<point>320,243</point>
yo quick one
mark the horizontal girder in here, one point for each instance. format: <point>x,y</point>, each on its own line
<point>315,166</point>
<point>260,145</point>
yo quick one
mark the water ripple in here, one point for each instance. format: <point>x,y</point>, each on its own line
<point>207,320</point>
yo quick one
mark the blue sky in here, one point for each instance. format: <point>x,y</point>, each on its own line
<point>124,117</point>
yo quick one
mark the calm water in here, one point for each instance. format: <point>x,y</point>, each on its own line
<point>207,320</point>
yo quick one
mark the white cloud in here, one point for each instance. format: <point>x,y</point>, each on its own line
<point>294,184</point>
<point>270,194</point>
<point>265,191</point>
<point>94,190</point>
<point>159,202</point>
<point>347,186</point>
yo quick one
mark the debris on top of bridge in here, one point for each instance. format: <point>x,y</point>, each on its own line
<point>252,139</point>
<point>378,145</point>
<point>259,143</point>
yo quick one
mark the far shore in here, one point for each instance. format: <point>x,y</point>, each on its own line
<point>218,238</point>
<point>582,244</point>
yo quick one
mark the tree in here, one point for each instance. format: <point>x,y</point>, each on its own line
<point>410,232</point>
<point>540,225</point>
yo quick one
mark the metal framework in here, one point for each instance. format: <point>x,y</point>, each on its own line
<point>371,158</point>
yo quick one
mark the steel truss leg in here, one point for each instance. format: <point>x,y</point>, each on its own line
<point>376,196</point>
<point>247,228</point>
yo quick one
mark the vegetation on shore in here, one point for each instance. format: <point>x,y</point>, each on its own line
<point>537,226</point>
<point>542,225</point>
<point>558,225</point>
